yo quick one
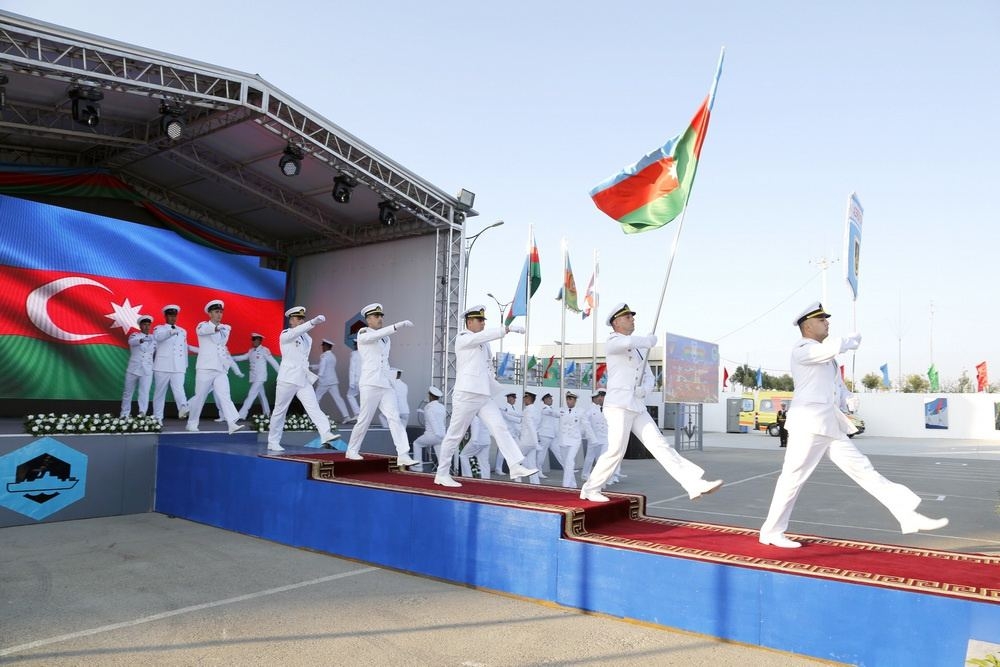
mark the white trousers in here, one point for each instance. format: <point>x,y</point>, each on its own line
<point>569,449</point>
<point>164,380</point>
<point>217,382</point>
<point>621,422</point>
<point>542,455</point>
<point>426,440</point>
<point>464,406</point>
<point>256,391</point>
<point>530,451</point>
<point>805,450</point>
<point>334,391</point>
<point>482,455</point>
<point>143,382</point>
<point>352,399</point>
<point>284,392</point>
<point>594,450</point>
<point>383,399</point>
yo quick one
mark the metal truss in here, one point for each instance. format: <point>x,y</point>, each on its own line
<point>448,282</point>
<point>62,54</point>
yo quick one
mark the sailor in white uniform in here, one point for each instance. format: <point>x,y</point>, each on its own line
<point>170,363</point>
<point>328,382</point>
<point>599,425</point>
<point>434,425</point>
<point>531,421</point>
<point>478,447</point>
<point>212,369</point>
<point>376,390</point>
<point>547,433</point>
<point>260,358</point>
<point>139,372</point>
<point>402,396</point>
<point>817,426</point>
<point>475,385</point>
<point>353,389</point>
<point>629,381</point>
<point>574,426</point>
<point>295,380</point>
<point>513,419</point>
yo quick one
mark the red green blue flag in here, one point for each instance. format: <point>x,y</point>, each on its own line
<point>527,284</point>
<point>652,192</point>
<point>568,290</point>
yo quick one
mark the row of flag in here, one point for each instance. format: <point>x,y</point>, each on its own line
<point>982,377</point>
<point>530,280</point>
<point>505,367</point>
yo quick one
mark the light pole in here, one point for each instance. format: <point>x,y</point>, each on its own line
<point>502,307</point>
<point>468,252</point>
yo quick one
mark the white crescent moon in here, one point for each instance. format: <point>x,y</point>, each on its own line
<point>37,306</point>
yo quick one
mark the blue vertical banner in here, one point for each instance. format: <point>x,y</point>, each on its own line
<point>852,252</point>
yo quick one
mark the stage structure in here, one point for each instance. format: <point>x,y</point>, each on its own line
<point>225,151</point>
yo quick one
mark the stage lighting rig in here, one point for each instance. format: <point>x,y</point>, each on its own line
<point>4,80</point>
<point>172,119</point>
<point>86,109</point>
<point>342,187</point>
<point>387,212</point>
<point>290,162</point>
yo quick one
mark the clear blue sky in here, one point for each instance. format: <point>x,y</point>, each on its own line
<point>529,104</point>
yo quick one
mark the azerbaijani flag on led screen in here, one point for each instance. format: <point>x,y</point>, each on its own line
<point>73,284</point>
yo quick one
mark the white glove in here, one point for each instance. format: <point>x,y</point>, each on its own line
<point>853,403</point>
<point>652,339</point>
<point>851,342</point>
<point>404,324</point>
<point>319,319</point>
<point>640,393</point>
<point>237,372</point>
<point>515,328</point>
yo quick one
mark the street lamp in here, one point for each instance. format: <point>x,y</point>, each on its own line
<point>468,252</point>
<point>502,307</point>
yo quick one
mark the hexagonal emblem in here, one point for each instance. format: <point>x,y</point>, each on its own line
<point>42,478</point>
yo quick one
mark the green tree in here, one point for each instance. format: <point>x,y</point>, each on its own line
<point>916,384</point>
<point>871,381</point>
<point>964,383</point>
<point>744,375</point>
<point>782,382</point>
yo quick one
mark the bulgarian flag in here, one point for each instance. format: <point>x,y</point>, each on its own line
<point>73,285</point>
<point>652,192</point>
<point>527,284</point>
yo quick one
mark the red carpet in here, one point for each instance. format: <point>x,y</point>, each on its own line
<point>623,523</point>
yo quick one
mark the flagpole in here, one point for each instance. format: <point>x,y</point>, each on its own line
<point>593,340</point>
<point>562,335</point>
<point>527,308</point>
<point>687,197</point>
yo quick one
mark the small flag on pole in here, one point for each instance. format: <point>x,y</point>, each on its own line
<point>932,375</point>
<point>527,284</point>
<point>982,380</point>
<point>886,382</point>
<point>725,377</point>
<point>590,299</point>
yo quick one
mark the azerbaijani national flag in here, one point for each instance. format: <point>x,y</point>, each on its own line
<point>73,285</point>
<point>568,291</point>
<point>653,191</point>
<point>527,284</point>
<point>591,298</point>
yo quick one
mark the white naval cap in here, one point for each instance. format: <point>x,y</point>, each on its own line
<point>145,318</point>
<point>478,311</point>
<point>434,391</point>
<point>173,306</point>
<point>813,310</point>
<point>296,310</point>
<point>214,304</point>
<point>327,341</point>
<point>256,335</point>
<point>618,311</point>
<point>372,309</point>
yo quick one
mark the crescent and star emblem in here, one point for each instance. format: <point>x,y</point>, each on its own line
<point>126,316</point>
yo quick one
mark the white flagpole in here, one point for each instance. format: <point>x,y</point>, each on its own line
<point>527,309</point>
<point>593,340</point>
<point>562,335</point>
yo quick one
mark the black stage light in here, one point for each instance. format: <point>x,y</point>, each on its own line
<point>387,212</point>
<point>342,186</point>
<point>86,109</point>
<point>4,80</point>
<point>172,119</point>
<point>291,160</point>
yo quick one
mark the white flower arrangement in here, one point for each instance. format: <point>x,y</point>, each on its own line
<point>261,424</point>
<point>47,424</point>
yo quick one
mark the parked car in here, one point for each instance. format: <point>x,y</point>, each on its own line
<point>858,422</point>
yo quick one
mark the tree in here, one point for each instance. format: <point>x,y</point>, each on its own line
<point>964,383</point>
<point>916,384</point>
<point>871,381</point>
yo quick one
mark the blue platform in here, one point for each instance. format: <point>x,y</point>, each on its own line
<point>525,552</point>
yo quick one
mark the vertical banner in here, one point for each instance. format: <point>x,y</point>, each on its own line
<point>852,240</point>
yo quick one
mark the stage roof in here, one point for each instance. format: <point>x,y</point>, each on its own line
<point>223,170</point>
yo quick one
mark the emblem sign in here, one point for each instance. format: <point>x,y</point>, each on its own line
<point>42,478</point>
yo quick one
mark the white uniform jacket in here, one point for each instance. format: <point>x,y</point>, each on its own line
<point>574,425</point>
<point>171,349</point>
<point>550,421</point>
<point>140,354</point>
<point>403,396</point>
<point>598,424</point>
<point>629,377</point>
<point>259,358</point>
<point>473,357</point>
<point>374,345</point>
<point>820,393</point>
<point>296,344</point>
<point>212,351</point>
<point>434,419</point>
<point>513,419</point>
<point>531,420</point>
<point>327,370</point>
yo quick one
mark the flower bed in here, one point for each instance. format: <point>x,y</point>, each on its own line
<point>292,423</point>
<point>51,423</point>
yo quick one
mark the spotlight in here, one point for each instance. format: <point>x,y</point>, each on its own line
<point>86,109</point>
<point>172,119</point>
<point>3,91</point>
<point>387,212</point>
<point>291,160</point>
<point>342,186</point>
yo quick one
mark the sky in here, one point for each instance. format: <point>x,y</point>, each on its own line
<point>531,104</point>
